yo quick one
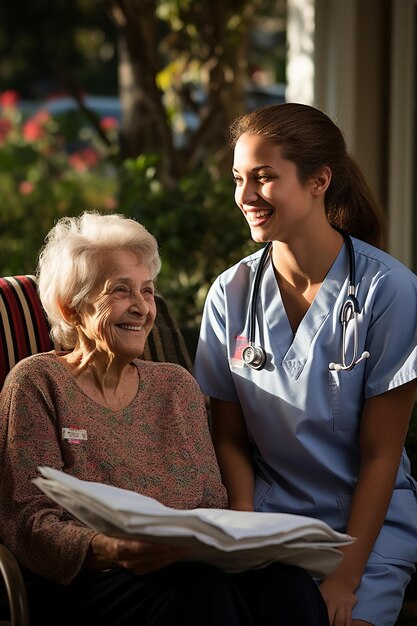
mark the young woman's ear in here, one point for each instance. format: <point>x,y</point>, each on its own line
<point>321,181</point>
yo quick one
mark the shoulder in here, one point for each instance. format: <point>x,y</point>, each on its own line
<point>33,367</point>
<point>231,289</point>
<point>382,268</point>
<point>39,377</point>
<point>236,278</point>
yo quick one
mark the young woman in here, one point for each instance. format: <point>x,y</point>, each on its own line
<point>311,366</point>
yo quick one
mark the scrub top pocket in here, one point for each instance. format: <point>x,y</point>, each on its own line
<point>262,491</point>
<point>346,397</point>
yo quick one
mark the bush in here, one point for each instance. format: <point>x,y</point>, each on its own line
<point>40,181</point>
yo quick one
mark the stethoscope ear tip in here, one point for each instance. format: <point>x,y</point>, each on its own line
<point>338,367</point>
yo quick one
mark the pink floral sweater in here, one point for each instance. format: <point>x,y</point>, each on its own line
<point>159,446</point>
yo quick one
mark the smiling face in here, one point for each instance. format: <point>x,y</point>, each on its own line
<point>121,311</point>
<point>268,191</point>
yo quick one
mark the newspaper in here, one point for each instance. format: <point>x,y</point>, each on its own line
<point>232,540</point>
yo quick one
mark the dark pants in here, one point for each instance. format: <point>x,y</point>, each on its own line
<point>188,594</point>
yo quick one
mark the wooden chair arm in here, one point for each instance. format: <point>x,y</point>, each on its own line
<point>15,587</point>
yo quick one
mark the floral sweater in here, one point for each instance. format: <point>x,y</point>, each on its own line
<point>159,446</point>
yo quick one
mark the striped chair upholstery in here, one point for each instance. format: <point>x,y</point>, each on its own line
<point>24,329</point>
<point>23,326</point>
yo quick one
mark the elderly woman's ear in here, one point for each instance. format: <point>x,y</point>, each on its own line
<point>69,314</point>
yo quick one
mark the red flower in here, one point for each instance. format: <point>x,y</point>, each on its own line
<point>83,159</point>
<point>108,123</point>
<point>32,130</point>
<point>9,98</point>
<point>26,187</point>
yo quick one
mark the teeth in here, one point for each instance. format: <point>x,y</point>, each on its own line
<point>258,214</point>
<point>129,327</point>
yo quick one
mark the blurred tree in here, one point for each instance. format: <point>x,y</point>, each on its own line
<point>179,58</point>
<point>180,66</point>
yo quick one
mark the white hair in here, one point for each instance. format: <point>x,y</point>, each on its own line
<point>70,261</point>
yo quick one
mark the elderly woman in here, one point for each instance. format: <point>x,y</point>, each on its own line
<point>97,412</point>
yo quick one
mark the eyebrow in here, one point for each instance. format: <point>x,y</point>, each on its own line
<point>125,279</point>
<point>256,169</point>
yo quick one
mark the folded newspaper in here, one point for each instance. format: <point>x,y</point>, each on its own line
<point>233,540</point>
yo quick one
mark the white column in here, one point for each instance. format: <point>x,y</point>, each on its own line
<point>321,58</point>
<point>335,62</point>
<point>300,51</point>
<point>402,221</point>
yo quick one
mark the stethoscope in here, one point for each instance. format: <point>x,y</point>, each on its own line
<point>255,356</point>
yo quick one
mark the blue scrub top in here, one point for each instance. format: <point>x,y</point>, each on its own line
<point>303,418</point>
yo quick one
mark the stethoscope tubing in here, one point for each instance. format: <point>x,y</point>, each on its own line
<point>349,311</point>
<point>255,290</point>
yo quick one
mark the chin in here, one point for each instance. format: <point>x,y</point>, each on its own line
<point>259,237</point>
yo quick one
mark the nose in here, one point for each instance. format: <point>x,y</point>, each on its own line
<point>139,303</point>
<point>245,192</point>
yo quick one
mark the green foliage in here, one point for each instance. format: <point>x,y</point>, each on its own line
<point>40,182</point>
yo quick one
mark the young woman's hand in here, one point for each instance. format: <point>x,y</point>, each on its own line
<point>340,600</point>
<point>140,557</point>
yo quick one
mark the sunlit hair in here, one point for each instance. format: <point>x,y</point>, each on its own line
<point>311,140</point>
<point>71,259</point>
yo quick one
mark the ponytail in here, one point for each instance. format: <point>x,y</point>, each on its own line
<point>350,205</point>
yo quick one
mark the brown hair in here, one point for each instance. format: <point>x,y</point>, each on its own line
<point>311,140</point>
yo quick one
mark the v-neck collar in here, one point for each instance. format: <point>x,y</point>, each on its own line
<point>293,349</point>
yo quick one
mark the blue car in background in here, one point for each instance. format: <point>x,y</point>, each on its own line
<point>78,128</point>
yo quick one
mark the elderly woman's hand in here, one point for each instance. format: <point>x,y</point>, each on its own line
<point>140,557</point>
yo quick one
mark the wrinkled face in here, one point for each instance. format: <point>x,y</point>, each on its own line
<point>268,190</point>
<point>121,310</point>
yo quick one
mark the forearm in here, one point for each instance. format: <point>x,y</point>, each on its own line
<point>237,475</point>
<point>233,451</point>
<point>368,510</point>
<point>52,548</point>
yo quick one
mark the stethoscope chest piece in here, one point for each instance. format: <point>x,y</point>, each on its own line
<point>254,356</point>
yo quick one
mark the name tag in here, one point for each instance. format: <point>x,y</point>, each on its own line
<point>74,435</point>
<point>236,360</point>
